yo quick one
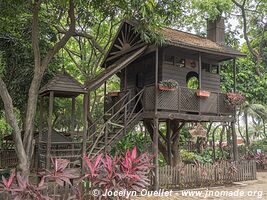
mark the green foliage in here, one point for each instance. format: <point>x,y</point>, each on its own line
<point>212,8</point>
<point>262,145</point>
<point>134,138</point>
<point>188,157</point>
<point>169,83</point>
<point>193,83</point>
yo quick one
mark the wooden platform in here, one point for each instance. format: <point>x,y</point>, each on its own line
<point>188,117</point>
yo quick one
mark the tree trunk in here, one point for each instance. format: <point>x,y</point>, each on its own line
<point>11,119</point>
<point>169,142</point>
<point>221,140</point>
<point>246,123</point>
<point>176,128</point>
<point>264,128</point>
<point>162,147</point>
<point>25,148</point>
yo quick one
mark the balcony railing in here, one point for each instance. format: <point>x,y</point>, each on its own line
<point>185,100</point>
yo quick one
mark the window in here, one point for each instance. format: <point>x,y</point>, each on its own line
<point>214,69</point>
<point>192,80</point>
<point>206,67</point>
<point>169,59</point>
<point>180,62</point>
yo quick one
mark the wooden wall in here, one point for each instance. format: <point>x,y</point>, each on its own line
<point>143,68</point>
<point>210,81</point>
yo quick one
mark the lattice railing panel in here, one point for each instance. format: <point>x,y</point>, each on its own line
<point>209,104</point>
<point>224,108</point>
<point>188,100</point>
<point>168,100</point>
<point>149,98</point>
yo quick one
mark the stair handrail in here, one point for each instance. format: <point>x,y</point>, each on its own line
<point>109,120</point>
<point>113,116</point>
<point>100,118</point>
<point>119,132</point>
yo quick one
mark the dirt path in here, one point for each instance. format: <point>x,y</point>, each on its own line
<point>249,190</point>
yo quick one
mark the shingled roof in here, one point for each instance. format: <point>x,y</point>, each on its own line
<point>188,40</point>
<point>63,85</point>
<point>173,37</point>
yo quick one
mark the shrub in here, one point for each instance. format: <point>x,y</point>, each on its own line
<point>20,188</point>
<point>128,172</point>
<point>117,173</point>
<point>188,157</point>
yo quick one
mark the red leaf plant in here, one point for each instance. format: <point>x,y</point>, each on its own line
<point>127,172</point>
<point>135,170</point>
<point>20,188</point>
<point>60,173</point>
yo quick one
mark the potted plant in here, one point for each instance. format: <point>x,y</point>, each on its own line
<point>234,99</point>
<point>202,93</point>
<point>113,94</point>
<point>167,85</point>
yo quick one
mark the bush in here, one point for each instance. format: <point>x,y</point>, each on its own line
<point>188,157</point>
<point>128,172</point>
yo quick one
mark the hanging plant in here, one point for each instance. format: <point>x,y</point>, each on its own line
<point>235,99</point>
<point>168,84</point>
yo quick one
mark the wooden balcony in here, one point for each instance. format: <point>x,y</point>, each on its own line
<point>183,103</point>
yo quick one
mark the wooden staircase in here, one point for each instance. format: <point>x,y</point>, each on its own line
<point>106,132</point>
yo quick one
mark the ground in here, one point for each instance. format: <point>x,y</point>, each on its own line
<point>248,190</point>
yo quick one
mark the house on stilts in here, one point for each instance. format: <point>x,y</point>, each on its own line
<point>141,67</point>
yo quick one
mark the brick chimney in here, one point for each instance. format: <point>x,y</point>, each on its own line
<point>216,30</point>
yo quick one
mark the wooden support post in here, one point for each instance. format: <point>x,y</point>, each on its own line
<point>106,133</point>
<point>213,146</point>
<point>85,126</point>
<point>72,127</point>
<point>199,77</point>
<point>156,125</point>
<point>73,114</point>
<point>38,157</point>
<point>50,128</point>
<point>199,71</point>
<point>234,73</point>
<point>234,137</point>
<point>168,136</point>
<point>156,154</point>
<point>106,138</point>
<point>105,96</point>
<point>125,78</point>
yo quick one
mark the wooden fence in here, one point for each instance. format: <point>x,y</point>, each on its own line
<point>8,158</point>
<point>191,176</point>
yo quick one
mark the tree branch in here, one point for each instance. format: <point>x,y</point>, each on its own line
<point>61,43</point>
<point>250,48</point>
<point>85,35</point>
<point>35,39</point>
<point>39,69</point>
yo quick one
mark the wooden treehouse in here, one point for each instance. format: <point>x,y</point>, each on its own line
<point>141,68</point>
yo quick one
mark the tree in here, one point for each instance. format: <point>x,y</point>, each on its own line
<point>24,148</point>
<point>150,14</point>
